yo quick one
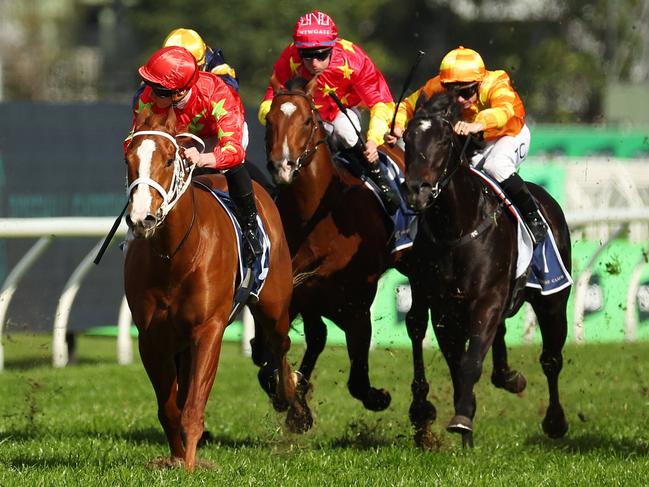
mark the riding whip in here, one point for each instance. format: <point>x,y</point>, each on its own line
<point>405,87</point>
<point>344,110</point>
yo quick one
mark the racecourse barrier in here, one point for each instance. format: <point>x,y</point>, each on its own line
<point>392,302</point>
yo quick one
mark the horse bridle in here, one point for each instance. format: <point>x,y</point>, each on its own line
<point>180,180</point>
<point>446,176</point>
<point>308,152</point>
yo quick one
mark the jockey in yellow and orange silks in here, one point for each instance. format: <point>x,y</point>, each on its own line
<point>492,106</point>
<point>344,69</point>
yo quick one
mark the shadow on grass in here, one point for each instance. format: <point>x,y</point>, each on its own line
<point>592,443</point>
<point>28,363</point>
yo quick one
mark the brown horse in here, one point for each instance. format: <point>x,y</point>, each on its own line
<point>464,268</point>
<point>179,275</point>
<point>338,235</point>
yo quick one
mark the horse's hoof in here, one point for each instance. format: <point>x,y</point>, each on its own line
<point>467,440</point>
<point>555,425</point>
<point>299,420</point>
<point>421,413</point>
<point>510,380</point>
<point>426,439</point>
<point>460,424</point>
<point>377,399</point>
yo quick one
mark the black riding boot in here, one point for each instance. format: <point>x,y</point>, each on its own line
<point>390,198</point>
<point>518,192</point>
<point>240,189</point>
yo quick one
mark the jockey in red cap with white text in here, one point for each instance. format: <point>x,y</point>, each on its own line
<point>210,109</point>
<point>344,69</point>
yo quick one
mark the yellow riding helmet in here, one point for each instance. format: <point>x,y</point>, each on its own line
<point>461,65</point>
<point>190,40</point>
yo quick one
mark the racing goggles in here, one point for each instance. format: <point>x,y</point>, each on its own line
<point>161,91</point>
<point>464,90</point>
<point>310,54</point>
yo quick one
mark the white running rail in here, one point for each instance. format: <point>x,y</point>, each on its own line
<point>46,229</point>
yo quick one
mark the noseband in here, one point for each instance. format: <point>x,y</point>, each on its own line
<point>180,180</point>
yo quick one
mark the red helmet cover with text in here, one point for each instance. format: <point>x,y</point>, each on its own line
<point>172,67</point>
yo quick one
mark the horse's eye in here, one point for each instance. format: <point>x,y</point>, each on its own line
<point>170,161</point>
<point>308,122</point>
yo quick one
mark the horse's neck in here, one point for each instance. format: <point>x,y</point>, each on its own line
<point>459,207</point>
<point>309,191</point>
<point>172,237</point>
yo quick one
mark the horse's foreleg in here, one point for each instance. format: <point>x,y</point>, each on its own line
<point>552,320</point>
<point>161,370</point>
<point>358,331</point>
<point>502,376</point>
<point>298,417</point>
<point>205,351</point>
<point>421,412</point>
<point>315,336</point>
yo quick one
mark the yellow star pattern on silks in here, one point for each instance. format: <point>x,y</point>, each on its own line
<point>195,127</point>
<point>141,106</point>
<point>218,110</point>
<point>222,133</point>
<point>326,89</point>
<point>343,100</point>
<point>347,45</point>
<point>347,71</point>
<point>318,107</point>
<point>294,65</point>
<point>228,147</point>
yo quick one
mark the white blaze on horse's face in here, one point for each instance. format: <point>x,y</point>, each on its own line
<point>141,201</point>
<point>284,170</point>
<point>288,108</point>
<point>425,125</point>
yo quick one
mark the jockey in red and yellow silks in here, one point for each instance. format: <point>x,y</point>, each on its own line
<point>491,106</point>
<point>344,69</point>
<point>207,107</point>
<point>351,76</point>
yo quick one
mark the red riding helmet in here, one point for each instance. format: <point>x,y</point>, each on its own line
<point>172,67</point>
<point>313,30</point>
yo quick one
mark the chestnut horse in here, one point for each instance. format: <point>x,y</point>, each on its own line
<point>179,275</point>
<point>338,235</point>
<point>464,266</point>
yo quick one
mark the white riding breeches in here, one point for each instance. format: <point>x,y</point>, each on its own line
<point>503,156</point>
<point>342,132</point>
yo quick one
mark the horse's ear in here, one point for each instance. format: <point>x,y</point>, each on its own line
<point>421,101</point>
<point>170,123</point>
<point>311,86</point>
<point>142,116</point>
<point>274,82</point>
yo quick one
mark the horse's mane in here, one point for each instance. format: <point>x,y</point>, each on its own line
<point>439,105</point>
<point>296,84</point>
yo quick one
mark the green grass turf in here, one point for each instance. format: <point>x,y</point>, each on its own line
<point>94,423</point>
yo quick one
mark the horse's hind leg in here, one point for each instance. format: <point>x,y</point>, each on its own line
<point>421,412</point>
<point>161,369</point>
<point>358,331</point>
<point>502,376</point>
<point>551,315</point>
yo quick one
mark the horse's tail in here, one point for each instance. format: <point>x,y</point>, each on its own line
<point>300,278</point>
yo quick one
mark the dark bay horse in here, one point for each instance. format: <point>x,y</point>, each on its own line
<point>464,266</point>
<point>179,276</point>
<point>337,232</point>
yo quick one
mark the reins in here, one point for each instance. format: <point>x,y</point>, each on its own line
<point>444,180</point>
